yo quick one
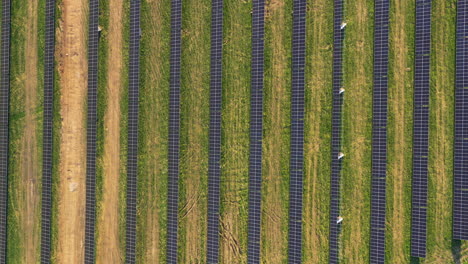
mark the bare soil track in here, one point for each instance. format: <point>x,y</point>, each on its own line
<point>72,67</point>
<point>108,244</point>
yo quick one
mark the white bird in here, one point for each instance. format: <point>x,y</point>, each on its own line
<point>343,25</point>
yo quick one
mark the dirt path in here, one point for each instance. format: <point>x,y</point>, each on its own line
<point>194,138</point>
<point>357,111</point>
<point>399,175</point>
<point>108,244</point>
<point>276,146</point>
<point>317,143</point>
<point>29,203</point>
<point>72,66</point>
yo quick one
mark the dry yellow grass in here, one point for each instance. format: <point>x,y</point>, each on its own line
<point>317,142</point>
<point>275,143</point>
<point>357,133</point>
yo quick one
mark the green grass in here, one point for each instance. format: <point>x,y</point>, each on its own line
<point>153,128</point>
<point>397,152</point>
<point>195,95</point>
<point>235,130</point>
<point>19,18</point>
<point>101,108</point>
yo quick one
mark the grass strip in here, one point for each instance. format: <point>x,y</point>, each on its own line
<point>235,131</point>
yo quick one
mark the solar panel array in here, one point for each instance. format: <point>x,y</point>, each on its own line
<point>297,132</point>
<point>47,139</point>
<point>256,128</point>
<point>421,128</point>
<point>174,125</point>
<point>93,35</point>
<point>4,125</point>
<point>460,197</point>
<point>214,168</point>
<point>132,158</point>
<point>379,132</point>
<point>336,131</point>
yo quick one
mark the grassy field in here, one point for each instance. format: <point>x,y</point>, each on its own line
<point>278,24</point>
<point>154,92</point>
<point>317,161</point>
<point>235,131</point>
<point>357,124</point>
<point>195,119</point>
<point>400,130</point>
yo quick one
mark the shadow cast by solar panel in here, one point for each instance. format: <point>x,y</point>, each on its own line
<point>456,251</point>
<point>414,260</point>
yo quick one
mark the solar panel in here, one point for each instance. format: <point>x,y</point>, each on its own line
<point>460,197</point>
<point>256,128</point>
<point>93,35</point>
<point>49,49</point>
<point>379,132</point>
<point>132,158</point>
<point>174,125</point>
<point>421,128</point>
<point>214,168</point>
<point>297,132</point>
<point>336,131</point>
<point>4,112</point>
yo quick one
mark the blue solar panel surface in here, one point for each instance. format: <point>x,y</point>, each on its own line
<point>91,130</point>
<point>336,132</point>
<point>132,154</point>
<point>379,132</point>
<point>214,168</point>
<point>256,128</point>
<point>297,132</point>
<point>460,197</point>
<point>421,128</point>
<point>47,131</point>
<point>4,112</point>
<point>174,125</point>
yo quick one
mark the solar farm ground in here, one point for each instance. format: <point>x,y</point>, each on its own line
<point>26,116</point>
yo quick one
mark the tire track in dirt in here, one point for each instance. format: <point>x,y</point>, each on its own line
<point>276,148</point>
<point>317,145</point>
<point>72,67</point>
<point>108,244</point>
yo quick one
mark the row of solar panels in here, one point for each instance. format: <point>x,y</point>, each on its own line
<point>421,128</point>
<point>338,39</point>
<point>256,131</point>
<point>49,59</point>
<point>460,196</point>
<point>297,132</point>
<point>174,125</point>
<point>93,35</point>
<point>133,110</point>
<point>4,112</point>
<point>379,132</point>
